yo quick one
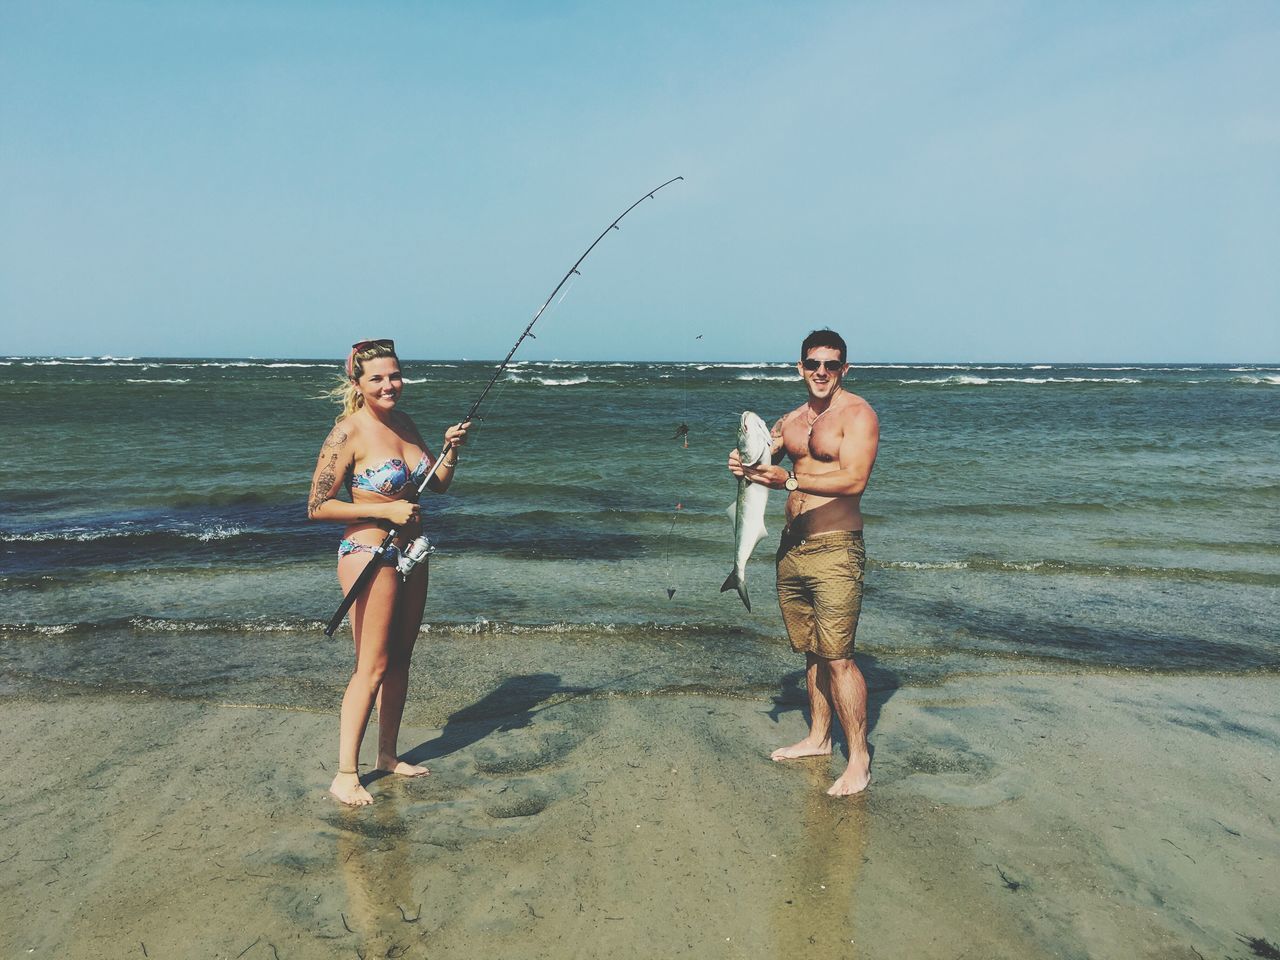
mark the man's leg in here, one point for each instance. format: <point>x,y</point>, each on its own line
<point>818,742</point>
<point>795,598</point>
<point>849,694</point>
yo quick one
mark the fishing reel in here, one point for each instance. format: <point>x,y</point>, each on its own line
<point>413,554</point>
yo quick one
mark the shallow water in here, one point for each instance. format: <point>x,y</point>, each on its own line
<point>1020,517</point>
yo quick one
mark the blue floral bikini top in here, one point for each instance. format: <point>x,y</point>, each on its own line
<point>389,478</point>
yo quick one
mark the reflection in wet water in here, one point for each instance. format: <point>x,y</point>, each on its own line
<point>383,909</point>
<point>817,918</point>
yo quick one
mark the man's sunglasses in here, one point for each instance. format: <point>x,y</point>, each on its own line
<point>831,366</point>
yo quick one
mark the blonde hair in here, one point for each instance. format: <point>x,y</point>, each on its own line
<point>346,394</point>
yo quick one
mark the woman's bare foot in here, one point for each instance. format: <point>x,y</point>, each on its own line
<point>855,778</point>
<point>400,767</point>
<point>346,787</point>
<point>807,747</point>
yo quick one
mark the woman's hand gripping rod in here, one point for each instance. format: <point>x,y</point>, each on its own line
<point>410,557</point>
<point>371,568</point>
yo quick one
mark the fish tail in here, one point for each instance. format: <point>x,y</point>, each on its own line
<point>733,581</point>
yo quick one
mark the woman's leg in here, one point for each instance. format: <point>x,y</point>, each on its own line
<point>372,618</point>
<point>410,603</point>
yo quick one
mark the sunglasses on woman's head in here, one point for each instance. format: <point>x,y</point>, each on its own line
<point>361,344</point>
<point>831,366</point>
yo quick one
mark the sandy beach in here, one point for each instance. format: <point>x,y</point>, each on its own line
<point>1010,816</point>
<point>999,277</point>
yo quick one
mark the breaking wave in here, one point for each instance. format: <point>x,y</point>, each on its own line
<point>554,381</point>
<point>204,534</point>
<point>969,380</point>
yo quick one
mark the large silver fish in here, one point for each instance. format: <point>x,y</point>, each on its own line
<point>747,512</point>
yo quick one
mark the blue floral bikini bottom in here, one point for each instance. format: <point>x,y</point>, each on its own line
<point>348,547</point>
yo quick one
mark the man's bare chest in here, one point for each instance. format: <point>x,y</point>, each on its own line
<point>818,440</point>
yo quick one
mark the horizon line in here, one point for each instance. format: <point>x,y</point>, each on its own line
<point>495,360</point>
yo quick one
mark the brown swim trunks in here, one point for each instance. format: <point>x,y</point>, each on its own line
<point>820,592</point>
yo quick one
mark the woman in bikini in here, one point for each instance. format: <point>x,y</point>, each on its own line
<point>370,450</point>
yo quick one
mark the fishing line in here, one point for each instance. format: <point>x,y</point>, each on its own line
<point>572,281</point>
<point>371,568</point>
<point>515,378</point>
<point>671,590</point>
<point>511,377</point>
<point>682,434</point>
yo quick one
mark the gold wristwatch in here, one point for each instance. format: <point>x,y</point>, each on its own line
<point>792,483</point>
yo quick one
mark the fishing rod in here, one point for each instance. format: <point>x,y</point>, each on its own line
<point>421,548</point>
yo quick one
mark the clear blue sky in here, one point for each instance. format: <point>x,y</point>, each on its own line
<point>967,181</point>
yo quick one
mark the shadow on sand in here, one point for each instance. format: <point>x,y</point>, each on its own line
<point>510,706</point>
<point>882,683</point>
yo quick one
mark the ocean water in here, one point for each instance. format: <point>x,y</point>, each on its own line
<point>153,535</point>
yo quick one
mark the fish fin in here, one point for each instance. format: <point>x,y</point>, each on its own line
<point>733,583</point>
<point>671,592</point>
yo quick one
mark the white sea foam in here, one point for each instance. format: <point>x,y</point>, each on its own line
<point>784,378</point>
<point>962,380</point>
<point>54,629</point>
<point>415,379</point>
<point>570,364</point>
<point>218,532</point>
<point>87,534</point>
<point>1155,369</point>
<point>84,363</point>
<point>81,534</point>
<point>133,380</point>
<point>256,364</point>
<point>1003,565</point>
<point>931,366</point>
<point>552,381</point>
<point>1270,378</point>
<point>155,623</point>
<point>924,565</point>
<point>1093,380</point>
<point>164,625</point>
<point>967,380</point>
<point>740,366</point>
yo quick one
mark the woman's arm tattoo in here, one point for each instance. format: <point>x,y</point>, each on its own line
<point>326,477</point>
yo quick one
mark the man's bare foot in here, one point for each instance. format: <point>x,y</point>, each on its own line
<point>346,787</point>
<point>855,778</point>
<point>400,768</point>
<point>805,748</point>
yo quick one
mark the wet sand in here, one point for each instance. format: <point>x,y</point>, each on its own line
<point>1009,816</point>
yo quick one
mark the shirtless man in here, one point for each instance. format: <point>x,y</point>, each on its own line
<point>831,440</point>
